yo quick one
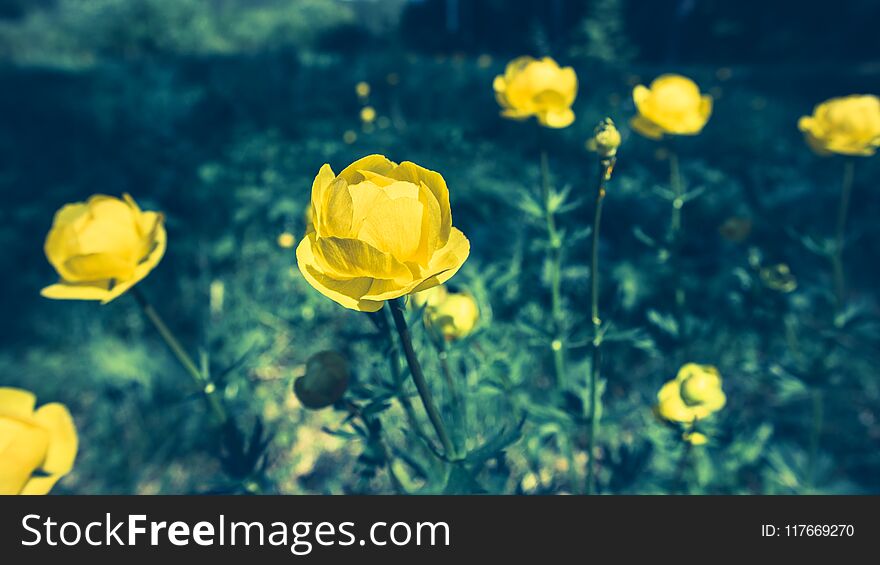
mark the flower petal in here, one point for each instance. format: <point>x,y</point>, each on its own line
<point>63,441</point>
<point>63,290</point>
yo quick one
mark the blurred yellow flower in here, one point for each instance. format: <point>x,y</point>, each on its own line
<point>368,114</point>
<point>286,240</point>
<point>381,231</point>
<point>362,89</point>
<point>846,126</point>
<point>325,380</point>
<point>694,394</point>
<point>349,137</point>
<point>41,443</point>
<point>540,88</point>
<point>606,139</point>
<point>672,105</point>
<point>695,438</point>
<point>102,247</point>
<point>453,317</point>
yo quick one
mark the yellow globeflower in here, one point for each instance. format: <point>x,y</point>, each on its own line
<point>453,317</point>
<point>381,231</point>
<point>694,394</point>
<point>672,105</point>
<point>102,247</point>
<point>606,139</point>
<point>41,443</point>
<point>368,114</point>
<point>540,88</point>
<point>846,126</point>
<point>363,89</point>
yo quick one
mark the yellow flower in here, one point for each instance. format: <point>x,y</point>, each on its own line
<point>286,240</point>
<point>325,381</point>
<point>102,247</point>
<point>694,394</point>
<point>606,139</point>
<point>368,114</point>
<point>41,442</point>
<point>363,89</point>
<point>695,438</point>
<point>846,126</point>
<point>540,88</point>
<point>672,105</point>
<point>778,277</point>
<point>381,231</point>
<point>453,317</point>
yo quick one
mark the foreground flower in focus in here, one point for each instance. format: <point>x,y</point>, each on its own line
<point>540,88</point>
<point>672,105</point>
<point>381,231</point>
<point>102,247</point>
<point>453,316</point>
<point>36,447</point>
<point>845,126</point>
<point>693,395</point>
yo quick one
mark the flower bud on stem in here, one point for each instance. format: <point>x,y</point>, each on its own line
<point>606,167</point>
<point>415,369</point>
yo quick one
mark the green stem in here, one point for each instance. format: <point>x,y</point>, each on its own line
<point>415,369</point>
<point>675,182</point>
<point>397,375</point>
<point>557,344</point>
<point>605,167</point>
<point>837,255</point>
<point>681,478</point>
<point>201,379</point>
<point>816,435</point>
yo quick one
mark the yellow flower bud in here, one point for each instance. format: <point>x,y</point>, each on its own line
<point>37,447</point>
<point>453,317</point>
<point>693,395</point>
<point>363,89</point>
<point>606,139</point>
<point>540,88</point>
<point>381,231</point>
<point>102,247</point>
<point>845,126</point>
<point>368,114</point>
<point>325,381</point>
<point>695,438</point>
<point>286,240</point>
<point>672,105</point>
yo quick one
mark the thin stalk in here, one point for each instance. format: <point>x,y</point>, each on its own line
<point>605,167</point>
<point>201,379</point>
<point>394,362</point>
<point>677,186</point>
<point>837,255</point>
<point>418,376</point>
<point>557,344</point>
<point>681,478</point>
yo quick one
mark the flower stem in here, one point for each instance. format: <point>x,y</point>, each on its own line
<point>606,165</point>
<point>837,255</point>
<point>201,379</point>
<point>418,376</point>
<point>677,186</point>
<point>557,344</point>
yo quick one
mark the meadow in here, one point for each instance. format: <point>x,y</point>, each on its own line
<point>716,248</point>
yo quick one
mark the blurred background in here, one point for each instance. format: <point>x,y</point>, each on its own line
<point>220,113</point>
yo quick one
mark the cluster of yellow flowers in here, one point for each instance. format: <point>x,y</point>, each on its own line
<point>379,231</point>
